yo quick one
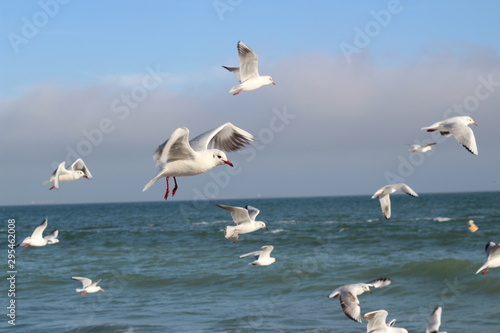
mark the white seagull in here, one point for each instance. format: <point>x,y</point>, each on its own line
<point>421,148</point>
<point>492,257</point>
<point>36,238</point>
<point>263,257</point>
<point>88,286</point>
<point>179,157</point>
<point>385,201</point>
<point>435,321</point>
<point>244,219</point>
<point>248,73</point>
<point>76,170</point>
<point>377,324</point>
<point>349,296</point>
<point>458,127</point>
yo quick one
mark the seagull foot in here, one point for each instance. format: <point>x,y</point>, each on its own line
<point>236,93</point>
<point>83,293</point>
<point>485,271</point>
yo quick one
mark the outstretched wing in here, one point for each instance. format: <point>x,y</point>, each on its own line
<point>227,137</point>
<point>434,321</point>
<point>385,204</point>
<point>380,283</point>
<point>249,62</point>
<point>239,214</point>
<point>37,233</point>
<point>235,71</point>
<point>252,212</point>
<point>175,148</point>
<point>350,305</point>
<point>405,189</point>
<point>85,281</point>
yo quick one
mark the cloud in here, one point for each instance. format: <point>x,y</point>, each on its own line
<point>350,125</point>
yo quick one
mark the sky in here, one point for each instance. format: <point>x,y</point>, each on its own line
<point>109,81</point>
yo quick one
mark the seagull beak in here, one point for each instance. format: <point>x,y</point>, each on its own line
<point>475,123</point>
<point>228,162</point>
<point>86,176</point>
<point>273,83</point>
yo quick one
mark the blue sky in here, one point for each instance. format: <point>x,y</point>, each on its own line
<point>351,114</point>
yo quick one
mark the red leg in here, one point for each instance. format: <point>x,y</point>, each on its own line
<point>175,187</point>
<point>53,187</point>
<point>168,189</point>
<point>236,93</point>
<point>485,271</point>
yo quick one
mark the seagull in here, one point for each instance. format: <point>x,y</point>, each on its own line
<point>492,257</point>
<point>435,321</point>
<point>88,286</point>
<point>377,324</point>
<point>385,201</point>
<point>349,292</point>
<point>178,157</point>
<point>76,170</point>
<point>36,238</point>
<point>421,148</point>
<point>458,127</point>
<point>263,257</point>
<point>245,220</point>
<point>248,73</point>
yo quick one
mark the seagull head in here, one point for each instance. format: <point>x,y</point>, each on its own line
<point>221,158</point>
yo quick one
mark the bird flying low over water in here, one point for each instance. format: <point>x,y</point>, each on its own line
<point>76,170</point>
<point>36,238</point>
<point>458,127</point>
<point>348,295</point>
<point>385,201</point>
<point>244,219</point>
<point>181,157</point>
<point>248,72</point>
<point>262,257</point>
<point>492,251</point>
<point>88,286</point>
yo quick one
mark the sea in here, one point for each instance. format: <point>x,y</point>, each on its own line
<point>166,266</point>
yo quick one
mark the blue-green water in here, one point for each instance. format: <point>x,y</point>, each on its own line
<point>166,266</point>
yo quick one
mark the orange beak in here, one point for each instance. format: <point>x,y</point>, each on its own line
<point>228,162</point>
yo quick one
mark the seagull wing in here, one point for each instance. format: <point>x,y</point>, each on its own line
<point>252,212</point>
<point>52,235</point>
<point>61,170</point>
<point>249,62</point>
<point>255,254</point>
<point>239,214</point>
<point>385,204</point>
<point>175,148</point>
<point>37,233</point>
<point>266,251</point>
<point>376,320</point>
<point>380,283</point>
<point>493,250</point>
<point>406,189</point>
<point>434,321</point>
<point>464,135</point>
<point>227,137</point>
<point>235,71</point>
<point>85,281</point>
<point>80,165</point>
<point>350,305</point>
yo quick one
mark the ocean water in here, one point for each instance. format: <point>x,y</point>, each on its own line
<point>166,266</point>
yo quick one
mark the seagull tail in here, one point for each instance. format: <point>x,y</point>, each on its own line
<point>482,267</point>
<point>229,231</point>
<point>148,185</point>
